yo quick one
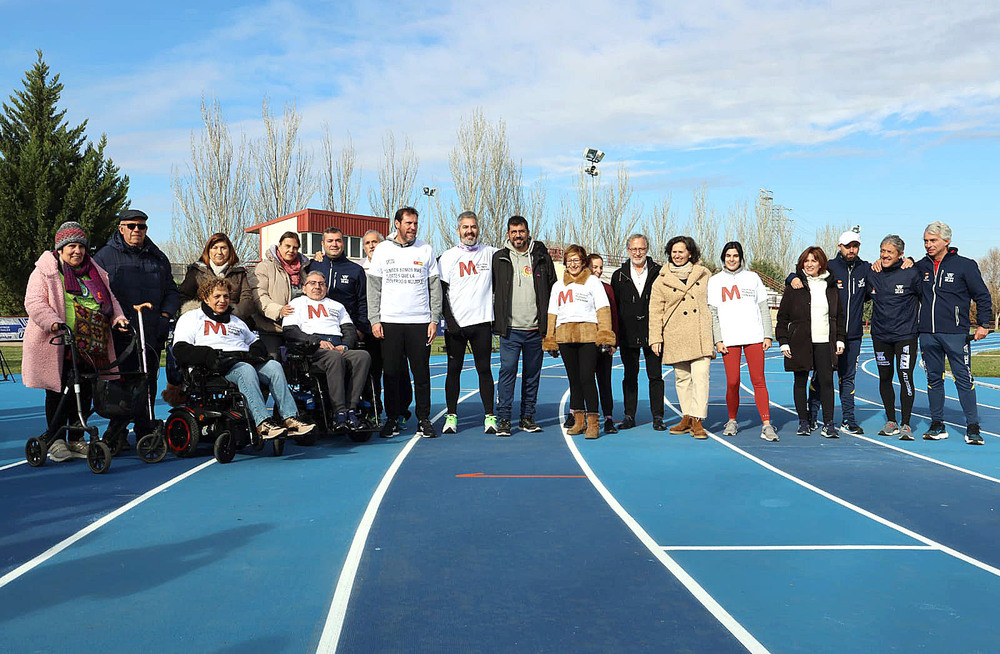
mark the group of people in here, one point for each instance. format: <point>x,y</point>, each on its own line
<point>371,325</point>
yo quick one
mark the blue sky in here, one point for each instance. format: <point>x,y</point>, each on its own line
<point>881,114</point>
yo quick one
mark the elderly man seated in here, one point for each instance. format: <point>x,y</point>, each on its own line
<point>319,321</point>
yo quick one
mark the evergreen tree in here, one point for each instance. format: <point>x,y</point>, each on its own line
<point>49,174</point>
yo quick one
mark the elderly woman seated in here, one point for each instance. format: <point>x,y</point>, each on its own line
<point>211,336</point>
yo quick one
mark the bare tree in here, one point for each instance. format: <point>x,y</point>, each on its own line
<point>212,194</point>
<point>659,227</point>
<point>396,177</point>
<point>339,188</point>
<point>704,226</point>
<point>532,207</point>
<point>828,237</point>
<point>989,267</point>
<point>284,167</point>
<point>768,237</point>
<point>602,215</point>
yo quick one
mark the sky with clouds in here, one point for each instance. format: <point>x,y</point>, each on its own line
<point>882,114</point>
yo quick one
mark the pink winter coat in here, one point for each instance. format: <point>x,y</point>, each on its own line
<point>45,301</point>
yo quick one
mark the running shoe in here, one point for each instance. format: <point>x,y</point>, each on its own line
<point>814,425</point>
<point>569,420</point>
<point>804,428</point>
<point>609,426</point>
<point>936,432</point>
<point>426,429</point>
<point>658,424</point>
<point>450,424</point>
<point>490,424</point>
<point>972,435</point>
<point>627,423</point>
<point>528,424</point>
<point>503,427</point>
<point>340,421</point>
<point>59,451</point>
<point>78,449</point>
<point>731,428</point>
<point>829,430</point>
<point>388,429</point>
<point>270,428</point>
<point>905,433</point>
<point>852,428</point>
<point>298,427</point>
<point>889,429</point>
<point>353,421</point>
<point>769,433</point>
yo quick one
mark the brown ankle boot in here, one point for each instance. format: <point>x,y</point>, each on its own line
<point>579,424</point>
<point>683,427</point>
<point>593,426</point>
<point>697,430</point>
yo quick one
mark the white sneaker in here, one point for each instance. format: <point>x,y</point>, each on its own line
<point>78,449</point>
<point>59,452</point>
<point>769,433</point>
<point>731,428</point>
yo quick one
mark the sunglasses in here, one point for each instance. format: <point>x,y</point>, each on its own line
<point>140,226</point>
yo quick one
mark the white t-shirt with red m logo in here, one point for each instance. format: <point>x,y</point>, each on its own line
<point>317,316</point>
<point>577,302</point>
<point>736,298</point>
<point>196,328</point>
<point>470,283</point>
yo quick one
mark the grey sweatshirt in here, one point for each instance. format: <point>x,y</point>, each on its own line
<point>524,310</point>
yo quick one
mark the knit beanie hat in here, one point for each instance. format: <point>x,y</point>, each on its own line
<point>70,232</point>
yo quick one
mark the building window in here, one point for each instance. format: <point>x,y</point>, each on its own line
<point>310,242</point>
<point>354,247</point>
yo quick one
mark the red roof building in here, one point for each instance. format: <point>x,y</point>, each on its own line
<point>309,225</point>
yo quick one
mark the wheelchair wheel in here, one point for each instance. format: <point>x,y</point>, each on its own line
<point>99,457</point>
<point>35,451</point>
<point>182,432</point>
<point>152,447</point>
<point>277,446</point>
<point>360,436</point>
<point>225,447</point>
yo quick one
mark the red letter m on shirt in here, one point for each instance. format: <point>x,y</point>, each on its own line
<point>216,327</point>
<point>316,312</point>
<point>467,268</point>
<point>565,296</point>
<point>730,293</point>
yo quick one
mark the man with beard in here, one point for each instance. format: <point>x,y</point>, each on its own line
<point>468,312</point>
<point>523,275</point>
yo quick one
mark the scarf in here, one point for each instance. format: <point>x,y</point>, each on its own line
<point>579,278</point>
<point>94,284</point>
<point>682,272</point>
<point>217,317</point>
<point>220,271</point>
<point>293,270</point>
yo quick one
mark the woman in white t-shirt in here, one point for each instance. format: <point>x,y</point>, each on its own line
<point>579,323</point>
<point>741,325</point>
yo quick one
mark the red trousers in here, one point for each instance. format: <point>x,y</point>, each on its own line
<point>755,362</point>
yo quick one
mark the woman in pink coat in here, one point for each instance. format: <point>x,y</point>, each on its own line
<point>67,287</point>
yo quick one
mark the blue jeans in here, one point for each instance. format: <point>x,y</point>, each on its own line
<point>248,380</point>
<point>934,348</point>
<point>517,343</point>
<point>847,369</point>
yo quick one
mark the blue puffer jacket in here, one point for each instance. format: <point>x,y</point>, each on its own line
<point>895,297</point>
<point>946,295</point>
<point>853,286</point>
<point>140,275</point>
<point>346,283</point>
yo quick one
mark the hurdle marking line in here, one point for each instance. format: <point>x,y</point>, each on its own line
<point>697,591</point>
<point>334,625</point>
<point>94,526</point>
<point>918,389</point>
<point>792,548</point>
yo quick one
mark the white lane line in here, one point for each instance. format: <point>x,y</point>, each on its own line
<point>792,548</point>
<point>853,507</point>
<point>13,465</point>
<point>330,637</point>
<point>94,526</point>
<point>728,621</point>
<point>918,389</point>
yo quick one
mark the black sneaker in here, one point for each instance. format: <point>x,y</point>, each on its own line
<point>804,428</point>
<point>658,424</point>
<point>829,430</point>
<point>570,421</point>
<point>972,436</point>
<point>936,432</point>
<point>853,429</point>
<point>426,429</point>
<point>609,426</point>
<point>388,429</point>
<point>627,423</point>
<point>528,424</point>
<point>503,427</point>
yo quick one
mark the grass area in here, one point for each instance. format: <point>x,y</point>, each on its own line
<point>984,364</point>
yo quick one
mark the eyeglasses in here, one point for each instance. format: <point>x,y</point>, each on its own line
<point>637,250</point>
<point>569,261</point>
<point>140,226</point>
<point>315,282</point>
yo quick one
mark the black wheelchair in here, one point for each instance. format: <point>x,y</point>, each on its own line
<point>309,388</point>
<point>215,411</point>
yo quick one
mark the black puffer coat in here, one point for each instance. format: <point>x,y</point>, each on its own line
<point>794,324</point>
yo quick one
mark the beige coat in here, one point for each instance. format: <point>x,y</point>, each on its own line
<point>271,290</point>
<point>679,317</point>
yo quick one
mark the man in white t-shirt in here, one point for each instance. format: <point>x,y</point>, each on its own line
<point>324,323</point>
<point>404,304</point>
<point>467,287</point>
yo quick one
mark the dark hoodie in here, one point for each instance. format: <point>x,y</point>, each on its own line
<point>946,295</point>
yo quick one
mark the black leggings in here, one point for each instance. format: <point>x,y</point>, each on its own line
<point>823,365</point>
<point>406,343</point>
<point>604,364</point>
<point>902,356</point>
<point>580,360</point>
<point>480,337</point>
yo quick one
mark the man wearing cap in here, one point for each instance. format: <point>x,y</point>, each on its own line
<point>139,272</point>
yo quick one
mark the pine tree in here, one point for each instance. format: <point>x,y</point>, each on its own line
<point>49,174</point>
